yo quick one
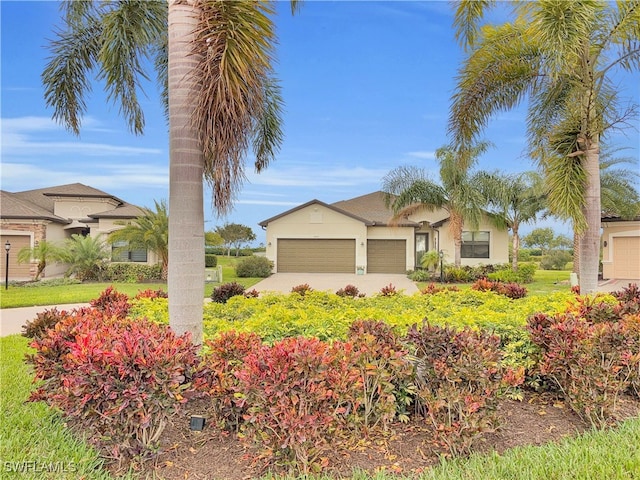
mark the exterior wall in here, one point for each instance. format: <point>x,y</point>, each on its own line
<point>611,230</point>
<point>77,208</point>
<point>35,230</point>
<point>498,245</point>
<point>316,221</point>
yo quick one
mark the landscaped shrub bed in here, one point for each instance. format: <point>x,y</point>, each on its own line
<point>300,374</point>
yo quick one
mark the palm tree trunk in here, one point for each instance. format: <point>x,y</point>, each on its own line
<point>515,247</point>
<point>456,230</point>
<point>576,253</point>
<point>186,208</point>
<point>590,240</point>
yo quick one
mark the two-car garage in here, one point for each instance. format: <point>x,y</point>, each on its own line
<point>313,255</point>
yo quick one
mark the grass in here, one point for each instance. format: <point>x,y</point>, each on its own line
<point>35,442</point>
<point>34,436</point>
<point>17,296</point>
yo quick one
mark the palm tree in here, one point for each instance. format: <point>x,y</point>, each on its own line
<point>513,200</point>
<point>149,231</point>
<point>408,190</point>
<point>618,191</point>
<point>86,256</point>
<point>561,56</point>
<point>43,252</point>
<point>213,60</point>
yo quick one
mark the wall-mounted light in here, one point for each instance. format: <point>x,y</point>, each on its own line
<point>362,244</point>
<point>605,243</point>
<point>269,244</point>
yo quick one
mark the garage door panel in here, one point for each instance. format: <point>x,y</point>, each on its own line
<point>626,258</point>
<point>316,255</point>
<point>386,256</point>
<point>17,270</point>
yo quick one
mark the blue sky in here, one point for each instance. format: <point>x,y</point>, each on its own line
<point>367,88</point>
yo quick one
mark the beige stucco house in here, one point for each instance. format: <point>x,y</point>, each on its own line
<point>54,214</point>
<point>357,236</point>
<point>620,248</point>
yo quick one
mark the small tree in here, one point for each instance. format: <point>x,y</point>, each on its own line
<point>235,235</point>
<point>542,238</point>
<point>149,231</point>
<point>86,256</point>
<point>43,252</point>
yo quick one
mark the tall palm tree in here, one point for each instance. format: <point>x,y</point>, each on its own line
<point>213,60</point>
<point>408,190</point>
<point>513,200</point>
<point>561,56</point>
<point>43,252</point>
<point>149,231</point>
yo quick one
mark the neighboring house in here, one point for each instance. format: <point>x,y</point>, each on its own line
<point>358,236</point>
<point>54,214</point>
<point>620,248</point>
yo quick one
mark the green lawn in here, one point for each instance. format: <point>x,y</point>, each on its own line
<point>33,436</point>
<point>82,293</point>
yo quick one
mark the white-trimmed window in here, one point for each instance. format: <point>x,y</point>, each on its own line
<point>120,252</point>
<point>475,245</point>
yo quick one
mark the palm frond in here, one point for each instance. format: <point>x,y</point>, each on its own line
<point>235,42</point>
<point>497,75</point>
<point>468,14</point>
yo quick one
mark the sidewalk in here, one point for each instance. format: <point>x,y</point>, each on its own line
<point>12,319</point>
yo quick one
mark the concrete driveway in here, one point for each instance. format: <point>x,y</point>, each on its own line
<point>368,284</point>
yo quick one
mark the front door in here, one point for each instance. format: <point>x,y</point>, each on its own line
<point>422,245</point>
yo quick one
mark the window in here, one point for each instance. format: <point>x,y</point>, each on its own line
<point>475,245</point>
<point>120,252</point>
<point>422,245</point>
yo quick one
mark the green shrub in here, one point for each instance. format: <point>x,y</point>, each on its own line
<point>525,274</point>
<point>210,260</point>
<point>555,260</point>
<point>421,276</point>
<point>132,272</point>
<point>254,266</point>
<point>52,282</point>
<point>453,274</point>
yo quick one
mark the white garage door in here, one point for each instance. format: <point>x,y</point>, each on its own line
<point>316,255</point>
<point>626,258</point>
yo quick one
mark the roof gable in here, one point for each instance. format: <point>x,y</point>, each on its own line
<point>264,223</point>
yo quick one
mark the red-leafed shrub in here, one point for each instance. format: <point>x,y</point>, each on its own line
<point>432,289</point>
<point>112,303</point>
<point>386,374</point>
<point>302,289</point>
<point>388,291</point>
<point>118,380</point>
<point>629,300</point>
<point>511,290</point>
<point>225,354</point>
<point>459,378</point>
<point>350,291</point>
<point>297,394</point>
<point>253,293</point>
<point>44,321</point>
<point>590,362</point>
<point>224,292</point>
<point>148,293</point>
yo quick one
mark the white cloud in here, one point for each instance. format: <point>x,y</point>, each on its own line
<point>317,176</point>
<point>424,155</point>
<point>266,202</point>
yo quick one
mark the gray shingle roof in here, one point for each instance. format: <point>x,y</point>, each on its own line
<point>13,206</point>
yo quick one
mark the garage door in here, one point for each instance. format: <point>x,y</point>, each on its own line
<point>316,255</point>
<point>17,271</point>
<point>626,257</point>
<point>386,256</point>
